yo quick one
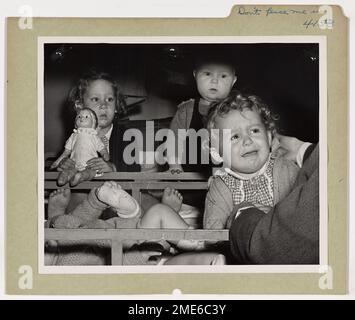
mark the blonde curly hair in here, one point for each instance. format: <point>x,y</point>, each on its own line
<point>240,102</point>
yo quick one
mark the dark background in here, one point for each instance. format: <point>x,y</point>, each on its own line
<point>286,76</point>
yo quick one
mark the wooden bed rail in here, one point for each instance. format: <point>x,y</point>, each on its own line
<point>138,181</point>
<point>118,236</point>
<point>135,181</point>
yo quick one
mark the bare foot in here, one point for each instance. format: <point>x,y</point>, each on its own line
<point>172,198</point>
<point>112,194</point>
<point>66,221</point>
<point>58,202</point>
<point>81,176</point>
<point>65,176</point>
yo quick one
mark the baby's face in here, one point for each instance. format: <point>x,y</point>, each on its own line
<point>248,147</point>
<point>100,97</point>
<point>214,81</point>
<point>84,119</point>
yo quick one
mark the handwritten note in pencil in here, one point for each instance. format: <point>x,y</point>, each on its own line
<point>321,17</point>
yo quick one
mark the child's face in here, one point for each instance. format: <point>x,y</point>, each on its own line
<point>100,97</point>
<point>249,144</point>
<point>84,119</point>
<point>214,81</point>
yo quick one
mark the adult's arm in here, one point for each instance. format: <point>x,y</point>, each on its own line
<point>289,233</point>
<point>290,148</point>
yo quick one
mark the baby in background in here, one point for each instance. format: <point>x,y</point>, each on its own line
<point>215,77</point>
<point>251,173</point>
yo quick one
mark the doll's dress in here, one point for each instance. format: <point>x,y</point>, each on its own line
<point>84,144</point>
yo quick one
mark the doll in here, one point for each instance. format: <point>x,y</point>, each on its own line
<point>82,145</point>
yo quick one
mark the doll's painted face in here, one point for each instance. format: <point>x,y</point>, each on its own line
<point>248,147</point>
<point>85,119</point>
<point>100,98</point>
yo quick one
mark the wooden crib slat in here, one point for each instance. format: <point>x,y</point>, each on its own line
<point>129,185</point>
<point>117,236</point>
<point>136,194</point>
<point>135,234</point>
<point>138,181</point>
<point>138,176</point>
<point>116,253</point>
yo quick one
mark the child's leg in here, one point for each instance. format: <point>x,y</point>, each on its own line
<point>203,258</point>
<point>75,199</point>
<point>90,209</point>
<point>147,201</point>
<point>87,211</point>
<point>58,202</point>
<point>80,252</point>
<point>161,216</point>
<point>112,194</point>
<point>165,215</point>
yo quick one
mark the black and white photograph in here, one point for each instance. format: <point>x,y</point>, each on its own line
<point>173,154</point>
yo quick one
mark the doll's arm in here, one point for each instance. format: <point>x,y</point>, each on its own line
<point>66,153</point>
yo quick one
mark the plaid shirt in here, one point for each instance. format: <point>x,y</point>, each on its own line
<point>258,189</point>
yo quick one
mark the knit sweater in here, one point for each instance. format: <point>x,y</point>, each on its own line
<point>182,120</point>
<point>219,201</point>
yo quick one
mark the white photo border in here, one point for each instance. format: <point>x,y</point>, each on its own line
<point>323,195</point>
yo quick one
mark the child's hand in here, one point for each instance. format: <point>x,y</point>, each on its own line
<point>100,165</point>
<point>66,164</point>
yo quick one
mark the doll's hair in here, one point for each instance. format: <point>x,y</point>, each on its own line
<point>93,117</point>
<point>240,102</point>
<point>76,94</point>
